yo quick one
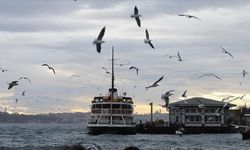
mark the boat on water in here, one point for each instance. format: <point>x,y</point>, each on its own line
<point>112,113</point>
<point>246,133</point>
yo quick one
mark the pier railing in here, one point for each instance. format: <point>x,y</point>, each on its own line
<point>114,111</point>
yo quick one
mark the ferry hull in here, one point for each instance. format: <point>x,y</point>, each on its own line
<point>245,135</point>
<point>94,130</point>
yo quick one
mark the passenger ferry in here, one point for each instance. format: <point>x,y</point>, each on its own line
<point>113,113</point>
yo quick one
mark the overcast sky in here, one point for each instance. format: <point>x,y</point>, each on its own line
<point>60,33</point>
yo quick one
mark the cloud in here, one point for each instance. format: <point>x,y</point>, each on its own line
<point>61,34</point>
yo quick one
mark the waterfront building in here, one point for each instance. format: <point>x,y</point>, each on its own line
<point>199,112</point>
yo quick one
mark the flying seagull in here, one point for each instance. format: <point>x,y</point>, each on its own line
<point>3,70</point>
<point>210,74</point>
<point>12,84</point>
<point>165,97</point>
<point>226,52</point>
<point>50,68</point>
<point>99,40</point>
<point>179,56</point>
<point>133,67</point>
<point>148,40</point>
<point>244,73</point>
<point>189,16</point>
<point>77,76</point>
<point>25,79</point>
<point>155,84</point>
<point>136,16</point>
<point>23,93</point>
<point>169,56</point>
<point>122,64</point>
<point>106,70</point>
<point>201,105</point>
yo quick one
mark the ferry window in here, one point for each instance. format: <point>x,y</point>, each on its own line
<point>116,106</point>
<point>98,106</point>
<point>212,110</point>
<point>124,106</point>
<point>129,106</point>
<point>106,105</point>
<point>93,106</point>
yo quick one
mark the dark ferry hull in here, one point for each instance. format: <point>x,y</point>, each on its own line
<point>125,130</point>
<point>245,135</point>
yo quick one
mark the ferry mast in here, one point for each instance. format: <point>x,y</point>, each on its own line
<point>113,77</point>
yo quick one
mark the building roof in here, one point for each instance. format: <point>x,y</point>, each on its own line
<point>195,101</point>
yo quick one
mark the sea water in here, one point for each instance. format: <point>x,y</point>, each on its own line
<point>56,136</point>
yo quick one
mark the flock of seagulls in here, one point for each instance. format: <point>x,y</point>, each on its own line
<point>99,41</point>
<point>148,41</point>
<point>15,83</point>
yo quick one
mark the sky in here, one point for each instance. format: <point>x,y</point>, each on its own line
<point>61,33</point>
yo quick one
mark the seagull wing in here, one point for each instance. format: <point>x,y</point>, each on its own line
<point>132,67</point>
<point>147,35</point>
<point>226,52</point>
<point>98,48</point>
<point>52,70</point>
<point>223,49</point>
<point>136,11</point>
<point>151,45</point>
<point>184,93</point>
<point>137,70</point>
<point>169,92</point>
<point>203,75</point>
<point>182,15</point>
<point>242,96</point>
<point>138,21</point>
<point>215,76</point>
<point>101,34</point>
<point>10,86</point>
<point>229,54</point>
<point>28,80</point>
<point>179,56</point>
<point>195,17</point>
<point>158,80</point>
<point>45,65</point>
<point>104,69</point>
